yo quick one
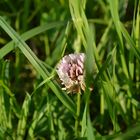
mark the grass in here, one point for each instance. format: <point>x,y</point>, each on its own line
<point>33,104</point>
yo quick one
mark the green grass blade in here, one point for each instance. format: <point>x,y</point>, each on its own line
<point>115,16</point>
<point>90,132</point>
<point>22,123</point>
<point>130,41</point>
<point>26,9</point>
<point>29,34</point>
<point>84,123</point>
<point>64,98</point>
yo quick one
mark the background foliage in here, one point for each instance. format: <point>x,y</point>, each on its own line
<point>35,35</point>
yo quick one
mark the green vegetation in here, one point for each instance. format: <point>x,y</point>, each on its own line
<point>35,35</point>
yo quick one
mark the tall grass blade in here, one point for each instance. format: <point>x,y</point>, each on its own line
<point>29,34</point>
<point>22,123</point>
<point>130,42</point>
<point>38,65</point>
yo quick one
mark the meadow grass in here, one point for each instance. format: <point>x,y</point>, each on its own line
<point>35,35</point>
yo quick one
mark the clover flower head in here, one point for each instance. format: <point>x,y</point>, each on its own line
<point>71,72</point>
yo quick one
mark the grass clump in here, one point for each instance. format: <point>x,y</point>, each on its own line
<point>33,104</point>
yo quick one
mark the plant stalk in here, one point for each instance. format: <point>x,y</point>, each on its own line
<point>77,121</point>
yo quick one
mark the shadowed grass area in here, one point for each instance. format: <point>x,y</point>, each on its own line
<point>35,35</point>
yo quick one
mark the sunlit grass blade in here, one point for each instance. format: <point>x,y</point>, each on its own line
<point>115,16</point>
<point>5,97</point>
<point>110,100</point>
<point>130,41</point>
<point>90,132</point>
<point>84,123</point>
<point>104,39</point>
<point>105,65</point>
<point>37,116</point>
<point>109,92</point>
<point>77,19</point>
<point>116,20</point>
<point>22,122</point>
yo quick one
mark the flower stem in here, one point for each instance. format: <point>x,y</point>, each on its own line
<point>77,121</point>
